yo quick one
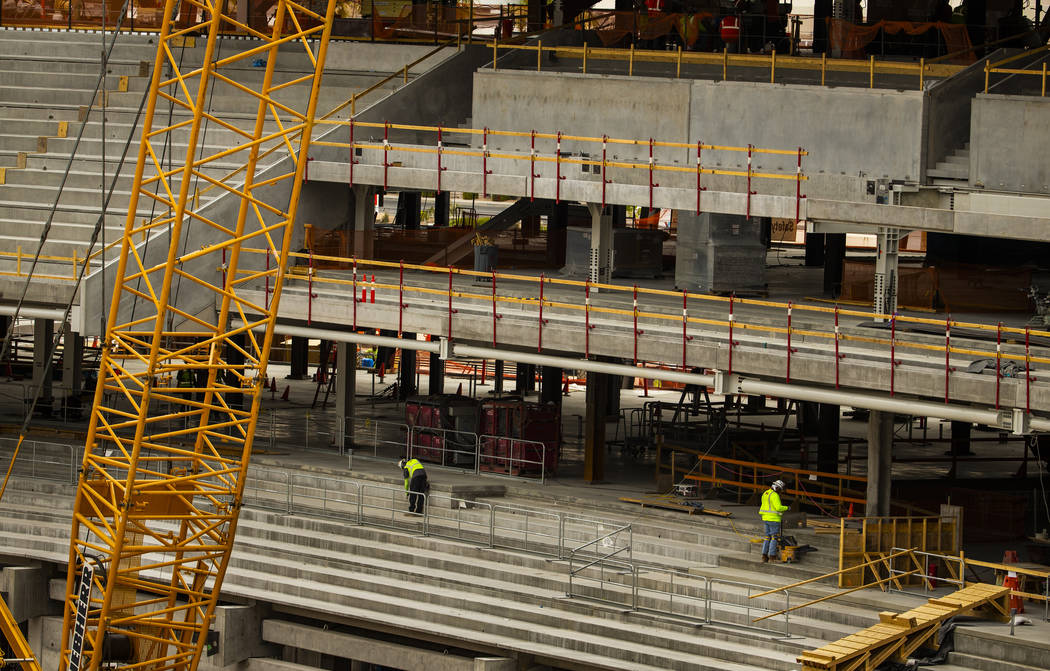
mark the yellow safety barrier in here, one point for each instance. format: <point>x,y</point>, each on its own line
<point>996,68</point>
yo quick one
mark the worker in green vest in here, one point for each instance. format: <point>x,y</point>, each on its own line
<point>772,511</point>
<point>416,484</point>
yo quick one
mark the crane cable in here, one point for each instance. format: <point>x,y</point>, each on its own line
<point>99,225</point>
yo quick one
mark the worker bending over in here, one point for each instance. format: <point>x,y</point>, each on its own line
<point>416,484</point>
<point>772,514</point>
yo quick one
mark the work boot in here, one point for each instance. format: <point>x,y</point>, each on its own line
<point>765,559</point>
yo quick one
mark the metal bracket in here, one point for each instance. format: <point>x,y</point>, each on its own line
<point>445,349</point>
<point>1016,421</point>
<point>726,383</point>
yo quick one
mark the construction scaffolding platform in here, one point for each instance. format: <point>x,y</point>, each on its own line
<point>896,637</point>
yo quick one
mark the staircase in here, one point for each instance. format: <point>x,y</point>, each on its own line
<point>954,170</point>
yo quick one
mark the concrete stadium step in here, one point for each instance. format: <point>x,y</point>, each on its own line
<point>990,647</point>
<point>264,664</point>
<point>87,66</point>
<point>561,639</point>
<point>473,568</point>
<point>61,80</point>
<point>51,98</point>
<point>79,46</point>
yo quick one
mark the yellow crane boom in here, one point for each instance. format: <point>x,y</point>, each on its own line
<point>165,464</point>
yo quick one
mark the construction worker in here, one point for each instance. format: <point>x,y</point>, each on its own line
<point>416,484</point>
<point>772,511</point>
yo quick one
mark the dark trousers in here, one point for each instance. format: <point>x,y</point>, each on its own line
<point>417,486</point>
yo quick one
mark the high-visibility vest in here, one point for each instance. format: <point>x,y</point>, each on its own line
<point>729,30</point>
<point>771,507</point>
<point>411,468</point>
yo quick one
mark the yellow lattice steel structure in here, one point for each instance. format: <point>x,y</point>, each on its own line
<point>165,464</point>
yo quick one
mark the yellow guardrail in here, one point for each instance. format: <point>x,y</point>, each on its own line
<point>997,69</point>
<point>733,321</point>
<point>727,61</point>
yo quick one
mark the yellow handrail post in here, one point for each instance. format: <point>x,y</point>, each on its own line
<point>74,264</point>
<point>773,67</point>
<point>823,67</point>
<point>539,54</point>
<point>18,264</point>
<point>353,105</point>
<point>585,58</point>
<point>495,48</point>
<point>678,69</point>
<point>871,73</point>
<point>470,24</point>
<point>725,62</point>
<point>1043,94</point>
<point>405,69</point>
<point>630,62</point>
<point>987,72</point>
<point>922,72</point>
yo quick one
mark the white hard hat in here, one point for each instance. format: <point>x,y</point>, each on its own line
<point>401,464</point>
<point>779,484</point>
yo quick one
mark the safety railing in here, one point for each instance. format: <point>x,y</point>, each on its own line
<point>447,447</point>
<point>998,69</point>
<point>832,489</point>
<point>669,311</point>
<point>550,154</point>
<point>512,456</point>
<point>727,62</point>
<point>956,567</point>
<point>42,460</point>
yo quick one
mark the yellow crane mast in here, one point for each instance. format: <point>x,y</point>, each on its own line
<point>165,464</point>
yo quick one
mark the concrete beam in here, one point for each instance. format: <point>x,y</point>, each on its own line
<point>26,590</point>
<point>362,648</point>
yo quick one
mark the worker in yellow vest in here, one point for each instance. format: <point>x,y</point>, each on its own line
<point>772,511</point>
<point>416,484</point>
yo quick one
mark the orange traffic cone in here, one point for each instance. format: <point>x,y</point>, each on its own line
<point>287,388</point>
<point>459,389</point>
<point>565,389</point>
<point>273,384</point>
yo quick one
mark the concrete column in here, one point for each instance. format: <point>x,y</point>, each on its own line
<point>5,326</point>
<point>240,636</point>
<point>828,439</point>
<point>599,387</point>
<point>834,262</point>
<point>442,206</point>
<point>72,360</point>
<point>880,462</point>
<point>409,210</point>
<point>437,374</point>
<point>43,340</point>
<point>26,590</point>
<point>960,446</point>
<point>557,222</point>
<point>497,377</point>
<point>601,245</point>
<point>886,271</point>
<point>299,358</point>
<point>550,385</point>
<point>406,371</point>
<point>364,222</point>
<point>808,419</point>
<point>525,379</point>
<point>814,250</point>
<point>345,389</point>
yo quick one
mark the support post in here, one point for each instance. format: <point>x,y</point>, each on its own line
<point>598,389</point>
<point>364,221</point>
<point>345,389</point>
<point>834,262</point>
<point>880,457</point>
<point>601,266</point>
<point>550,385</point>
<point>72,358</point>
<point>406,372</point>
<point>299,358</point>
<point>497,378</point>
<point>43,341</point>
<point>828,439</point>
<point>885,302</point>
<point>441,208</point>
<point>436,384</point>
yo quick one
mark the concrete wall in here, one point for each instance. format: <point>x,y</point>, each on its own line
<point>1009,143</point>
<point>852,135</point>
<point>854,132</point>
